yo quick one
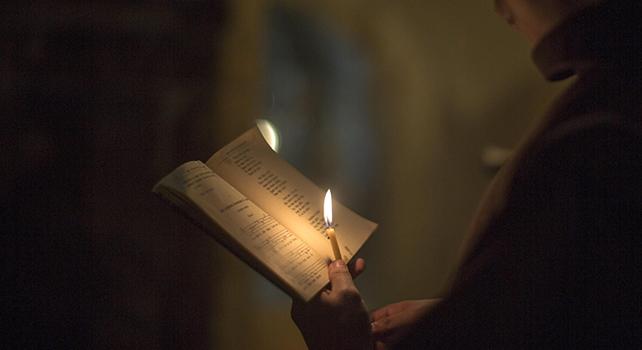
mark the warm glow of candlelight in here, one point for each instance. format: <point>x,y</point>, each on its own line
<point>327,209</point>
<point>270,133</point>
<point>329,231</point>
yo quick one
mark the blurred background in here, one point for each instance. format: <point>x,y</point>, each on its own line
<point>404,108</point>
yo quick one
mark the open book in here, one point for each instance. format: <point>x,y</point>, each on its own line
<point>270,214</point>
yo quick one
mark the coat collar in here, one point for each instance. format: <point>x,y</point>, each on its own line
<point>609,33</point>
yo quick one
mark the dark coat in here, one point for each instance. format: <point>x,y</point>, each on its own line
<point>553,259</point>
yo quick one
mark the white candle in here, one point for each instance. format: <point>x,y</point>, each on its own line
<point>329,231</point>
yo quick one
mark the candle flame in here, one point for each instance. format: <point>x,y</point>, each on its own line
<point>270,133</point>
<point>327,209</point>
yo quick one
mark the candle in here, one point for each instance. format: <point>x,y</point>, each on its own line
<point>329,231</point>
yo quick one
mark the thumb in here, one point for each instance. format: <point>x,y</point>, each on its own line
<point>340,278</point>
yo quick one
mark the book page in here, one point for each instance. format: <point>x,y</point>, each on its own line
<point>254,169</point>
<point>282,251</point>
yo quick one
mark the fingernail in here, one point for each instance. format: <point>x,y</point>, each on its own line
<point>373,327</point>
<point>339,263</point>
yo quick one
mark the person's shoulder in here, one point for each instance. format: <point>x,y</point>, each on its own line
<point>591,137</point>
<point>594,145</point>
<point>594,128</point>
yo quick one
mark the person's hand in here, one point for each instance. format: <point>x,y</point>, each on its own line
<point>393,322</point>
<point>336,318</point>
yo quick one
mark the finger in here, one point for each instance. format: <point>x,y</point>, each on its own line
<point>388,310</point>
<point>381,327</point>
<point>380,313</point>
<point>357,267</point>
<point>339,275</point>
<point>391,329</point>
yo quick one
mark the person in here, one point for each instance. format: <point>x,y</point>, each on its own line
<point>552,259</point>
